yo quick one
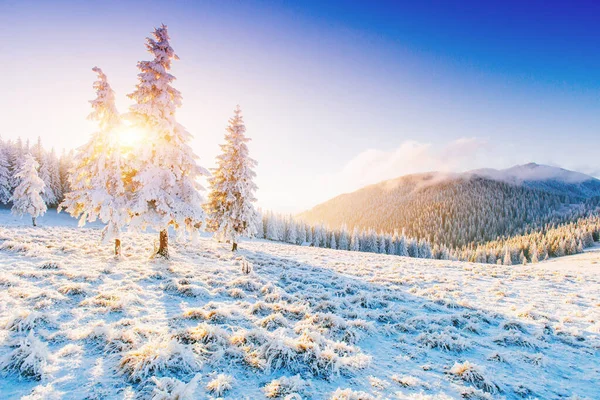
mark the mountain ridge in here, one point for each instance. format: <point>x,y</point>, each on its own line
<point>460,208</point>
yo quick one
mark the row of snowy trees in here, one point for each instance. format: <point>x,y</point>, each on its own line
<point>285,228</point>
<point>154,183</point>
<point>553,240</point>
<point>52,169</point>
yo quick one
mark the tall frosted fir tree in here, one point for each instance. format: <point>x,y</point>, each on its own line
<point>97,176</point>
<point>27,197</point>
<point>231,213</point>
<point>166,188</point>
<point>5,188</point>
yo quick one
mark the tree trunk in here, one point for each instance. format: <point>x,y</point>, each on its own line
<point>234,247</point>
<point>117,247</point>
<point>33,220</point>
<point>163,248</point>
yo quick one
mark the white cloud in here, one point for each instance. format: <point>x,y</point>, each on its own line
<point>375,165</point>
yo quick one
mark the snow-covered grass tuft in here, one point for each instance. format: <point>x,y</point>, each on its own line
<point>219,385</point>
<point>113,301</point>
<point>514,338</point>
<point>310,352</point>
<point>159,355</point>
<point>73,289</point>
<point>50,265</point>
<point>167,388</point>
<point>349,394</point>
<point>25,320</point>
<point>273,321</point>
<point>285,386</point>
<point>28,357</point>
<point>446,341</point>
<point>474,375</point>
<point>407,381</point>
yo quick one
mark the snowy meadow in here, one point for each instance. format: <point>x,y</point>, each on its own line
<point>283,321</point>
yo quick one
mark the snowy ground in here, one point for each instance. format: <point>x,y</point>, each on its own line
<point>324,324</point>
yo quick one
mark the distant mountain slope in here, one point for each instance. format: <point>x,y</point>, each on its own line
<point>550,179</point>
<point>457,209</point>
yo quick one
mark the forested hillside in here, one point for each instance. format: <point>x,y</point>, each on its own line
<point>457,209</point>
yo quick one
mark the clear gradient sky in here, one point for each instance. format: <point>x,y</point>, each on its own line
<point>335,94</point>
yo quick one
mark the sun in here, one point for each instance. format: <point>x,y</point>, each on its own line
<point>131,136</point>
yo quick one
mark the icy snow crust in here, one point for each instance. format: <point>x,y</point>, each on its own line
<point>306,323</point>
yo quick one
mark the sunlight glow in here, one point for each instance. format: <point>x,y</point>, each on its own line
<point>130,136</point>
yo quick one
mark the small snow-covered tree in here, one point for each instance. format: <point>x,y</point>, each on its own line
<point>55,183</point>
<point>507,260</point>
<point>259,224</point>
<point>381,244</point>
<point>371,241</point>
<point>230,212</point>
<point>167,191</point>
<point>15,159</point>
<point>48,195</point>
<point>65,162</point>
<point>332,241</point>
<point>355,240</point>
<point>316,236</point>
<point>97,178</point>
<point>27,197</point>
<point>300,233</point>
<point>344,241</point>
<point>424,249</point>
<point>5,187</point>
<point>402,246</point>
<point>273,230</point>
<point>309,234</point>
<point>412,247</point>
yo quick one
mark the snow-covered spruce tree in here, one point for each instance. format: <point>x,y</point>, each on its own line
<point>65,163</point>
<point>27,197</point>
<point>355,240</point>
<point>48,195</point>
<point>15,159</point>
<point>300,233</point>
<point>260,229</point>
<point>55,184</point>
<point>381,245</point>
<point>167,191</point>
<point>344,241</point>
<point>230,212</point>
<point>332,242</point>
<point>5,187</point>
<point>98,187</point>
<point>273,229</point>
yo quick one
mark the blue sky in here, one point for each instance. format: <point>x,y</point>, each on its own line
<point>335,94</point>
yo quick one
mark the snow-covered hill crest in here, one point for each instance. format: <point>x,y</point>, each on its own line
<point>547,178</point>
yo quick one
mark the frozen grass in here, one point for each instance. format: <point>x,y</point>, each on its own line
<point>349,394</point>
<point>158,356</point>
<point>25,320</point>
<point>27,357</point>
<point>474,375</point>
<point>166,388</point>
<point>220,385</point>
<point>285,386</point>
<point>304,323</point>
